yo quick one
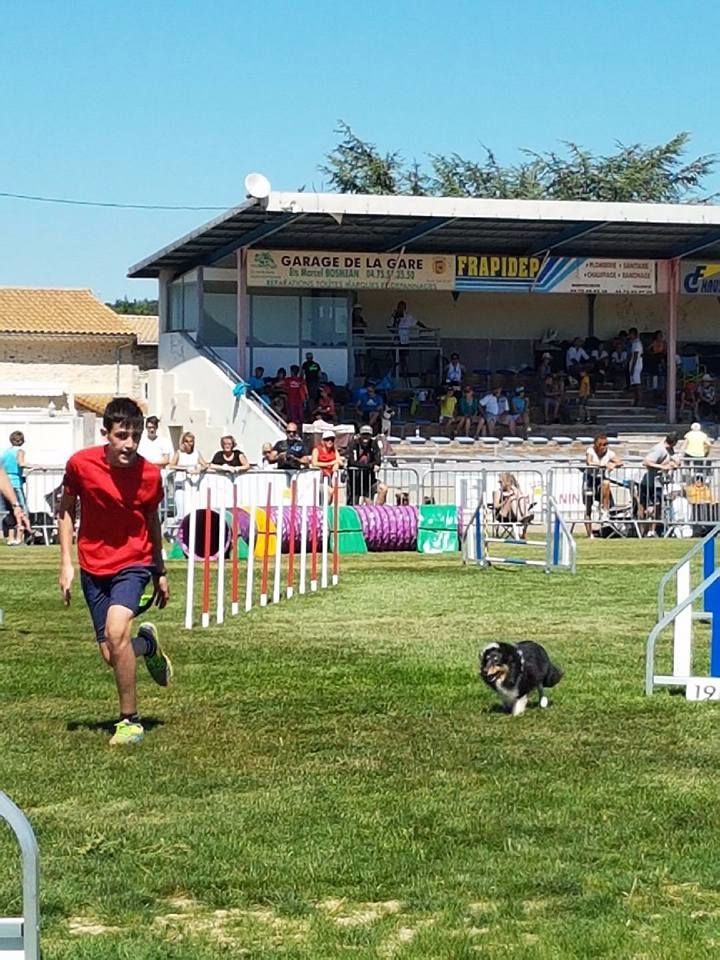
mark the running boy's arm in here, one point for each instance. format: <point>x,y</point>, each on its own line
<point>66,530</point>
<point>161,580</point>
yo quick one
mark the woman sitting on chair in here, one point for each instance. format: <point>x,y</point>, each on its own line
<point>511,505</point>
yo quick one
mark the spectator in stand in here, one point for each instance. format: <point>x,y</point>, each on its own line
<point>659,464</point>
<point>696,447</point>
<point>325,409</point>
<point>469,415</point>
<point>325,457</point>
<point>575,356</point>
<point>14,464</point>
<point>447,403</point>
<point>600,461</point>
<point>584,391</point>
<point>370,408</point>
<point>520,409</point>
<point>257,381</point>
<point>496,410</point>
<point>635,367</point>
<point>186,460</point>
<point>153,448</point>
<point>545,368</point>
<point>707,398</point>
<point>656,360</point>
<point>552,397</point>
<point>229,458</point>
<point>618,363</point>
<point>689,400</point>
<point>455,374</point>
<point>297,394</point>
<point>600,359</point>
<point>364,462</point>
<point>288,454</point>
<point>311,374</point>
<point>402,322</point>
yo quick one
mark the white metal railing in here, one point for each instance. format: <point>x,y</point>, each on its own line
<point>20,936</point>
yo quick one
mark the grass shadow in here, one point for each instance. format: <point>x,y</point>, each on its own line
<point>72,726</point>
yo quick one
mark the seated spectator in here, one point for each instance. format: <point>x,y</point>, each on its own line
<point>186,460</point>
<point>659,464</point>
<point>469,415</point>
<point>455,374</point>
<point>257,381</point>
<point>552,396</point>
<point>288,454</point>
<point>297,394</point>
<point>325,409</point>
<point>364,462</point>
<point>618,364</point>
<point>545,368</point>
<point>575,356</point>
<point>325,457</point>
<point>496,410</point>
<point>370,407</point>
<point>520,409</point>
<point>511,505</point>
<point>600,461</point>
<point>447,403</point>
<point>229,458</point>
<point>707,398</point>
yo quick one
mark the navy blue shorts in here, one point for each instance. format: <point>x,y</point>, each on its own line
<point>123,589</point>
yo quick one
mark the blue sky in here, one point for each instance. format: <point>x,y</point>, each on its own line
<point>151,101</point>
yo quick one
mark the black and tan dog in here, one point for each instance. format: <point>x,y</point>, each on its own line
<point>514,670</point>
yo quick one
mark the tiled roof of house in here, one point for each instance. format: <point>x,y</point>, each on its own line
<point>96,402</point>
<point>32,311</point>
<point>145,327</point>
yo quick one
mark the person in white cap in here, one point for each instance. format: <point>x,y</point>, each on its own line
<point>697,446</point>
<point>325,457</point>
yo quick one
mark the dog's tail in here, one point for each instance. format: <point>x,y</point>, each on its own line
<point>553,675</point>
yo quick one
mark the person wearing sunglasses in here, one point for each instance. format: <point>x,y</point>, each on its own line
<point>325,457</point>
<point>289,454</point>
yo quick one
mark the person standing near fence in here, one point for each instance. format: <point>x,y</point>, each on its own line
<point>119,548</point>
<point>659,463</point>
<point>14,463</point>
<point>600,460</point>
<point>364,462</point>
<point>186,460</point>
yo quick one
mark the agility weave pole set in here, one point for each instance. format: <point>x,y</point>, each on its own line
<point>682,616</point>
<point>217,528</point>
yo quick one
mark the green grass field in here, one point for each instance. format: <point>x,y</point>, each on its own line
<point>329,778</point>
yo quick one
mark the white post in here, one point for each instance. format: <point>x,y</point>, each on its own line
<point>682,628</point>
<point>192,531</point>
<point>222,506</point>
<point>325,533</point>
<point>251,556</point>
<point>303,545</point>
<point>278,549</point>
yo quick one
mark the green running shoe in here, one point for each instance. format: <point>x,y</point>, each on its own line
<point>159,665</point>
<point>127,734</point>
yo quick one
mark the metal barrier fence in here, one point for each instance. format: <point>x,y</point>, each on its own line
<point>626,502</point>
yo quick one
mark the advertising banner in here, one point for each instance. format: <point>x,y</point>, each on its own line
<point>702,278</point>
<point>350,271</point>
<point>509,274</point>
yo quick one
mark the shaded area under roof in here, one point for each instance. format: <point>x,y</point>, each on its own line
<point>356,222</point>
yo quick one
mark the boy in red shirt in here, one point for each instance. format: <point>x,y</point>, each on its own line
<point>119,552</point>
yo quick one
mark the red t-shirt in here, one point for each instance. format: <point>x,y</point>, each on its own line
<point>115,503</point>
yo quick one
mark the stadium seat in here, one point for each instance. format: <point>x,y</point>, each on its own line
<point>584,440</point>
<point>441,441</point>
<point>392,439</point>
<point>514,441</point>
<point>538,441</point>
<point>415,441</point>
<point>562,441</point>
<point>465,441</point>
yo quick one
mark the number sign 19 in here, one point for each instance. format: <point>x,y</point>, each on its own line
<point>703,688</point>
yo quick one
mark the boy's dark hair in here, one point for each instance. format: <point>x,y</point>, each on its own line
<point>294,369</point>
<point>125,412</point>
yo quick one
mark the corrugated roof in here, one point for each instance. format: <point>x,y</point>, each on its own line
<point>147,328</point>
<point>357,222</point>
<point>32,311</point>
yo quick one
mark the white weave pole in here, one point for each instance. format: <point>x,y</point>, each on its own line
<point>222,508</point>
<point>278,549</point>
<point>194,486</point>
<point>303,544</point>
<point>251,552</point>
<point>325,533</point>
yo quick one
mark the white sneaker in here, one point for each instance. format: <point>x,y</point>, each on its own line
<point>604,514</point>
<point>651,533</point>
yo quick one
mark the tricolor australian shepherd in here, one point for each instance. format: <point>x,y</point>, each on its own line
<point>514,670</point>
